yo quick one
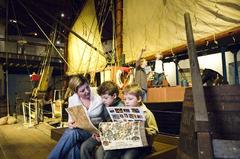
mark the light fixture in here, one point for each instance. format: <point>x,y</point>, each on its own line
<point>58,42</point>
<point>12,21</point>
<point>62,15</point>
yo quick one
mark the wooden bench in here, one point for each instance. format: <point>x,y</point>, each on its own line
<point>164,146</point>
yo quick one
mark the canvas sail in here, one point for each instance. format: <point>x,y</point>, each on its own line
<point>81,57</point>
<point>158,25</point>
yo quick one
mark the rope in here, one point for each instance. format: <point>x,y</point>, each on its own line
<point>45,35</point>
<point>71,31</point>
<point>102,20</point>
<point>20,34</point>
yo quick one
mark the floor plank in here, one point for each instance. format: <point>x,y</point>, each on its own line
<point>19,142</point>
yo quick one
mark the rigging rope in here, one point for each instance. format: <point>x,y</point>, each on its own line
<point>88,36</point>
<point>20,34</point>
<point>46,35</point>
<point>71,31</point>
<point>101,23</point>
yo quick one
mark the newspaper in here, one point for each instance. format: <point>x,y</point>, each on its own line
<point>80,116</point>
<point>121,135</point>
<point>119,114</point>
<point>126,131</point>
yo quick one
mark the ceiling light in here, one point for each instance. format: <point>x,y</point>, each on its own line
<point>12,21</point>
<point>35,34</point>
<point>21,41</point>
<point>62,15</point>
<point>58,42</point>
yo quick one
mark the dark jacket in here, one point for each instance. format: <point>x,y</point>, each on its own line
<point>141,78</point>
<point>117,103</point>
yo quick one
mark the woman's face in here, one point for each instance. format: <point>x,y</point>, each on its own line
<point>84,91</point>
<point>131,100</point>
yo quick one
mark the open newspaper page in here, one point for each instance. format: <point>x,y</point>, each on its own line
<point>126,114</point>
<point>80,116</point>
<point>126,131</point>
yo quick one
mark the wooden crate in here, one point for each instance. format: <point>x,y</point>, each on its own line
<point>165,94</point>
<point>223,106</point>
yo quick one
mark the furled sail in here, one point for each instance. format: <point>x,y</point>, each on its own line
<point>158,25</point>
<point>81,57</point>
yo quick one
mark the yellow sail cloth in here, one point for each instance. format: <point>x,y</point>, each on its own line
<point>158,25</point>
<point>81,57</point>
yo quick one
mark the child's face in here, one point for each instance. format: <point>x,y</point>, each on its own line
<point>143,63</point>
<point>108,99</point>
<point>131,100</point>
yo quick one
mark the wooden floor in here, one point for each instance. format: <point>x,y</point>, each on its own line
<point>19,142</point>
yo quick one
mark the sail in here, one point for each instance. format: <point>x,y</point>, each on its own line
<point>158,25</point>
<point>81,57</point>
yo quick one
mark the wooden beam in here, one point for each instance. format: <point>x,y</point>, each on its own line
<point>200,109</point>
<point>119,30</point>
<point>202,41</point>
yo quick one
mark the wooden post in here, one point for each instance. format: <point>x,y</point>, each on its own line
<point>236,76</point>
<point>177,73</point>
<point>119,28</point>
<point>201,116</point>
<point>223,49</point>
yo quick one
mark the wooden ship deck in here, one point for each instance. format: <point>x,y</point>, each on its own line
<point>19,142</point>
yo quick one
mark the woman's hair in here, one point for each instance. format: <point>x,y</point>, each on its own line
<point>133,89</point>
<point>108,87</point>
<point>76,81</point>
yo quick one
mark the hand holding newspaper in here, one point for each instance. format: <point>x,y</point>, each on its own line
<point>80,116</point>
<point>126,131</point>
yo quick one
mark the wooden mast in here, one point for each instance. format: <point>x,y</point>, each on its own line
<point>119,28</point>
<point>200,109</point>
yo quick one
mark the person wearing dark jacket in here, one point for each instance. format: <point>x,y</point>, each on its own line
<point>109,92</point>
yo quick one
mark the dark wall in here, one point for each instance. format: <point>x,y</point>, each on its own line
<point>168,116</point>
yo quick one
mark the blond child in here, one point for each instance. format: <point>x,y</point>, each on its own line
<point>158,70</point>
<point>133,98</point>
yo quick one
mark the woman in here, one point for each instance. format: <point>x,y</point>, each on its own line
<point>70,143</point>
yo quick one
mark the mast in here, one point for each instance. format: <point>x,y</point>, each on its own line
<point>200,108</point>
<point>6,72</point>
<point>119,30</point>
<point>47,70</point>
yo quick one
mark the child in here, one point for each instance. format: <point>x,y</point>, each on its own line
<point>133,98</point>
<point>141,74</point>
<point>109,93</point>
<point>158,71</point>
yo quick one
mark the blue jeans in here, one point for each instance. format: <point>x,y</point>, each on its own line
<point>88,149</point>
<point>68,147</point>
